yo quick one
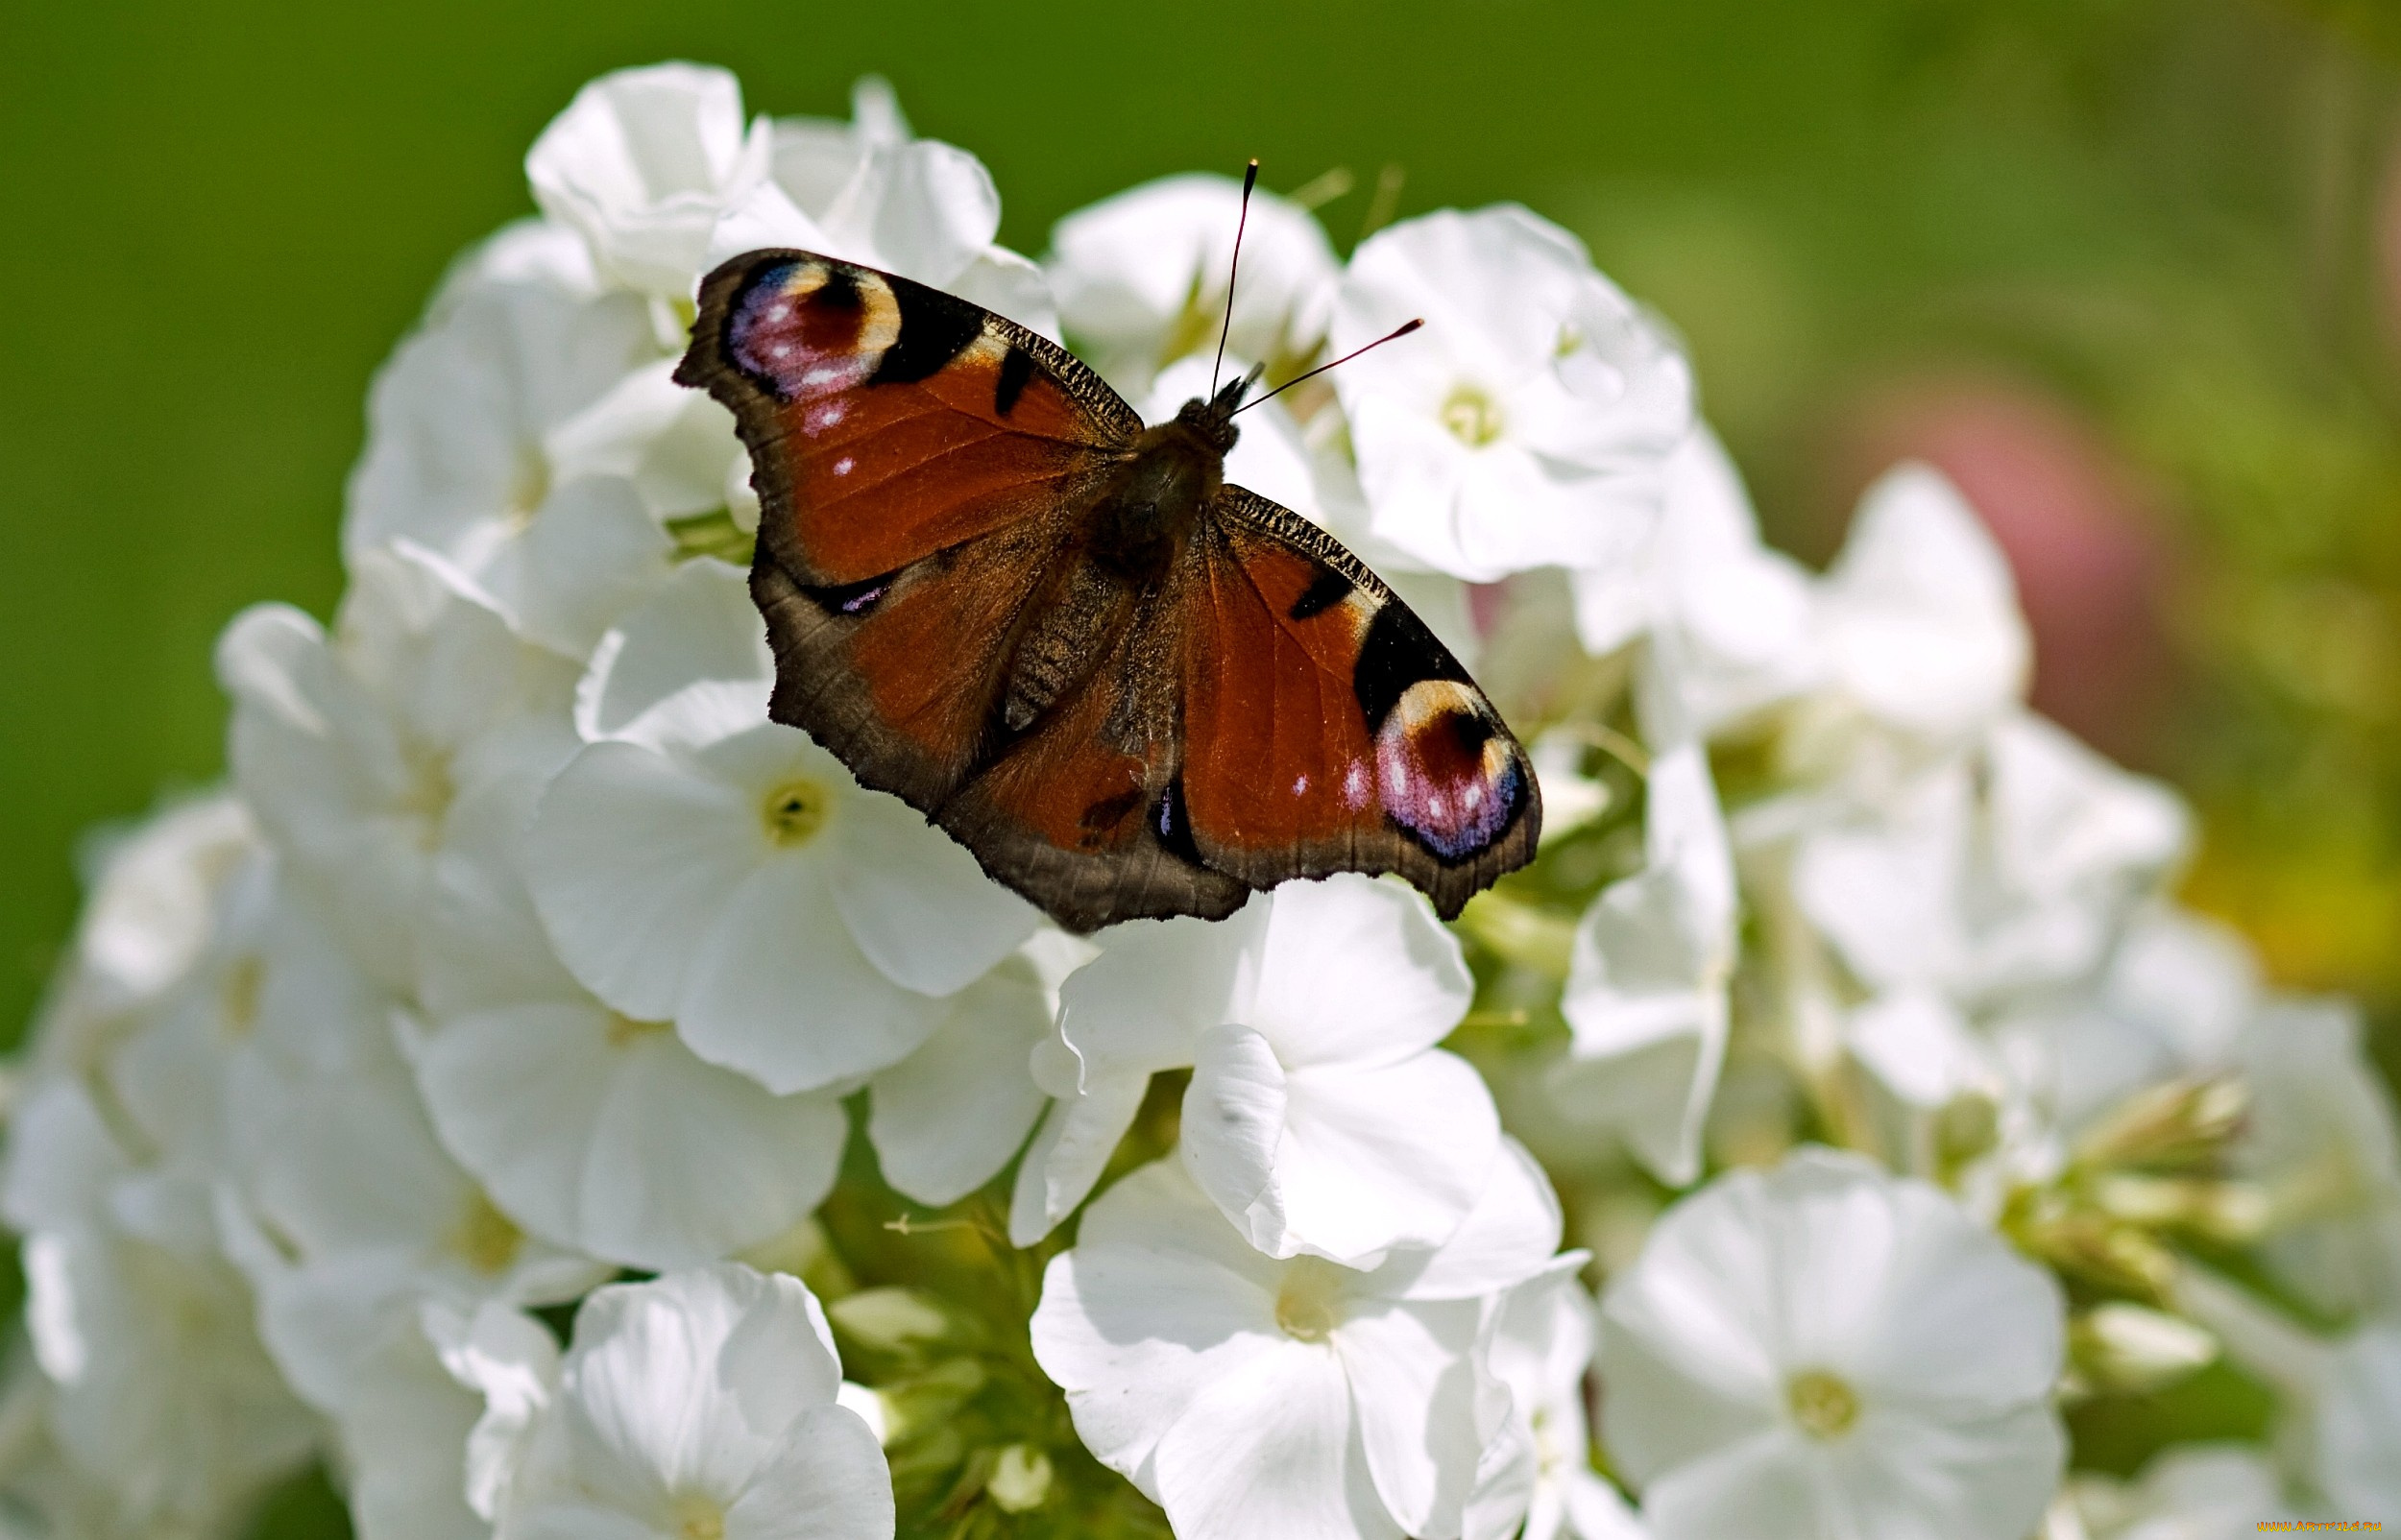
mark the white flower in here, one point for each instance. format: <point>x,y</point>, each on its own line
<point>169,1072</point>
<point>1320,1118</point>
<point>2174,994</point>
<point>643,162</point>
<point>677,451</point>
<point>2358,1425</point>
<point>1240,1392</point>
<point>151,908</point>
<point>459,459</point>
<point>594,1130</point>
<point>1826,1349</point>
<point>1529,423</point>
<point>1141,278</point>
<point>2188,1492</point>
<point>161,1391</point>
<point>1541,1346</point>
<point>350,749</point>
<point>1919,616</point>
<point>1646,990</point>
<point>352,1213</point>
<point>867,191</point>
<point>2321,1139</point>
<point>1980,881</point>
<point>948,1118</point>
<point>406,1427</point>
<point>702,865</point>
<point>700,1403</point>
<point>1737,618</point>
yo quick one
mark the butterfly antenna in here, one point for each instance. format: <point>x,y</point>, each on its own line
<point>1249,180</point>
<point>1402,331</point>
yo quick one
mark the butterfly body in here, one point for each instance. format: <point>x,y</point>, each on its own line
<point>1129,686</point>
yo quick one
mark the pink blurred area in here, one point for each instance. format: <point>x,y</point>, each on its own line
<point>2092,563</point>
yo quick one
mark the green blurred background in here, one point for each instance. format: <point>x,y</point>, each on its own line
<point>2130,269</point>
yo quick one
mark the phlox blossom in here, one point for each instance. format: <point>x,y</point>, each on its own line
<point>1825,1350</point>
<point>702,1402</point>
<point>1320,1118</point>
<point>1141,278</point>
<point>1530,421</point>
<point>1250,1395</point>
<point>697,863</point>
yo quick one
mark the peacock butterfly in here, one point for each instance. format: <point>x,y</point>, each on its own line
<point>1129,687</point>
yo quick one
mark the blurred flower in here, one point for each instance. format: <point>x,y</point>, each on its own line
<point>1825,1350</point>
<point>2195,1492</point>
<point>1918,616</point>
<point>350,749</point>
<point>1320,1118</point>
<point>2322,1142</point>
<point>160,1392</point>
<point>1529,424</point>
<point>2359,1424</point>
<point>1239,1392</point>
<point>2090,561</point>
<point>867,191</point>
<point>1646,990</point>
<point>1141,279</point>
<point>702,865</point>
<point>591,1129</point>
<point>1987,877</point>
<point>1540,1349</point>
<point>352,1215</point>
<point>641,164</point>
<point>153,903</point>
<point>701,1404</point>
<point>1738,620</point>
<point>460,461</point>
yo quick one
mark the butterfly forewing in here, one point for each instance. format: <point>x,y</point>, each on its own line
<point>887,420</point>
<point>1327,729</point>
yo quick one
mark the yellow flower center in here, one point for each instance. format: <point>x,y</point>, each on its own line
<point>624,1029</point>
<point>1472,417</point>
<point>699,1518</point>
<point>1821,1402</point>
<point>528,488</point>
<point>237,996</point>
<point>485,1237</point>
<point>429,794</point>
<point>795,811</point>
<point>1309,1306</point>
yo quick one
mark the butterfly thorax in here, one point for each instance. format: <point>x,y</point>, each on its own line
<point>1127,541</point>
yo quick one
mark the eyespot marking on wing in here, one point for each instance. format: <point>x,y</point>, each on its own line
<point>802,328</point>
<point>1447,772</point>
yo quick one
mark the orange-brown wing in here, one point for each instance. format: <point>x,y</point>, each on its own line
<point>1084,814</point>
<point>887,420</point>
<point>918,461</point>
<point>1326,729</point>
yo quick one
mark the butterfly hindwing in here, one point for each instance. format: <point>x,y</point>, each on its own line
<point>1086,809</point>
<point>1326,728</point>
<point>887,420</point>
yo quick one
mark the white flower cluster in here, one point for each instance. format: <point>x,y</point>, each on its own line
<point>462,1096</point>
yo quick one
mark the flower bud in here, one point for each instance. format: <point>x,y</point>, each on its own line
<point>2125,1347</point>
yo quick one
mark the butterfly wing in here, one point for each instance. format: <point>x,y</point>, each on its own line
<point>1326,729</point>
<point>887,420</point>
<point>1084,813</point>
<point>918,460</point>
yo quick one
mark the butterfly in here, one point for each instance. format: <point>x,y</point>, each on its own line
<point>1127,686</point>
